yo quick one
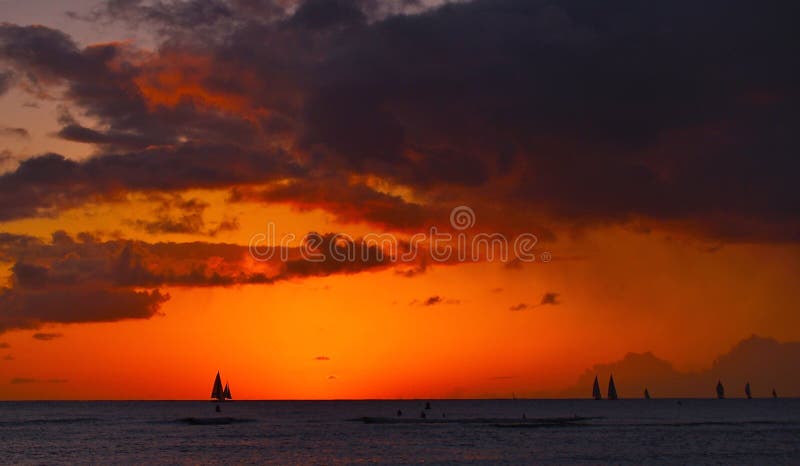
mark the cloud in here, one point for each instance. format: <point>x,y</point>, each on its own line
<point>564,111</point>
<point>26,380</point>
<point>85,279</point>
<point>322,358</point>
<point>45,184</point>
<point>350,202</point>
<point>174,214</point>
<point>549,298</point>
<point>432,301</point>
<point>4,345</point>
<point>5,81</point>
<point>745,362</point>
<point>47,336</point>
<point>21,133</point>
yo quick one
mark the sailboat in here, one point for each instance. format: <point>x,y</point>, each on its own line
<point>596,390</point>
<point>612,389</point>
<point>646,394</point>
<point>774,393</point>
<point>747,391</point>
<point>720,390</point>
<point>217,392</point>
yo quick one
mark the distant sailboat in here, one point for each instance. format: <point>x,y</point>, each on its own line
<point>612,389</point>
<point>217,392</point>
<point>646,394</point>
<point>720,390</point>
<point>596,390</point>
<point>774,393</point>
<point>747,391</point>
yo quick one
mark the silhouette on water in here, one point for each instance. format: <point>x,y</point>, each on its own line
<point>428,405</point>
<point>720,390</point>
<point>747,391</point>
<point>774,393</point>
<point>612,389</point>
<point>218,393</point>
<point>646,394</point>
<point>596,390</point>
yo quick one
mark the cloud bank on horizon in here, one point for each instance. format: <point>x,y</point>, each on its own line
<point>763,362</point>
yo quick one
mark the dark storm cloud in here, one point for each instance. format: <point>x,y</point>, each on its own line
<point>350,203</point>
<point>46,183</point>
<point>84,279</point>
<point>678,113</point>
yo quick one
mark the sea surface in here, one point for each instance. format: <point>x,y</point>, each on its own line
<point>668,431</point>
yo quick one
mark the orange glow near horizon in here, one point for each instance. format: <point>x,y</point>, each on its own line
<point>382,342</point>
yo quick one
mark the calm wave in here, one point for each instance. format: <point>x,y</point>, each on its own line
<point>764,431</point>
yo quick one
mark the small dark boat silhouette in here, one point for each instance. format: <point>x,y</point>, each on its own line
<point>720,390</point>
<point>596,390</point>
<point>646,394</point>
<point>612,389</point>
<point>428,405</point>
<point>217,392</point>
<point>747,391</point>
<point>774,393</point>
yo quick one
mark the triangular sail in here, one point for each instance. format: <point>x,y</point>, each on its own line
<point>227,392</point>
<point>216,391</point>
<point>774,393</point>
<point>720,390</point>
<point>646,394</point>
<point>612,389</point>
<point>596,390</point>
<point>747,391</point>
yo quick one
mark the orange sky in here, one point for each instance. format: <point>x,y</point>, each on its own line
<point>665,234</point>
<point>618,291</point>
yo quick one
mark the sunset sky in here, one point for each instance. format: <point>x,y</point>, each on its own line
<point>650,147</point>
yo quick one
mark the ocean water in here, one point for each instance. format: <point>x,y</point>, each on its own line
<point>759,431</point>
